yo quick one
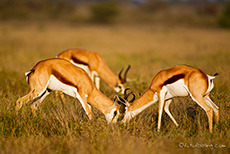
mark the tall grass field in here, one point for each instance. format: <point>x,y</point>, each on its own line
<point>62,127</point>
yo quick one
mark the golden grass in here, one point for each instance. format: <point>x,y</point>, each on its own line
<point>64,128</point>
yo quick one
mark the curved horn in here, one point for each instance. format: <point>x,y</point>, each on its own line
<point>120,101</point>
<point>134,96</point>
<point>119,75</point>
<point>125,75</point>
<point>126,95</point>
<point>123,80</point>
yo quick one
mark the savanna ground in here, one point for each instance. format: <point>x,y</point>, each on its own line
<point>62,127</point>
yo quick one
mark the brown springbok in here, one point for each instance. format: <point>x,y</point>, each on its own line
<point>60,75</point>
<point>179,80</point>
<point>95,66</point>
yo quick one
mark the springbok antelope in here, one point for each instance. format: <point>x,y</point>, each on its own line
<point>95,66</point>
<point>179,80</point>
<point>60,75</point>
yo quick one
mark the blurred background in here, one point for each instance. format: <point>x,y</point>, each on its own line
<point>209,13</point>
<point>150,35</point>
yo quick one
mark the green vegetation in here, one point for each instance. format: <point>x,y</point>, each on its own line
<point>111,12</point>
<point>150,37</point>
<point>224,18</point>
<point>35,9</point>
<point>63,127</point>
<point>104,12</point>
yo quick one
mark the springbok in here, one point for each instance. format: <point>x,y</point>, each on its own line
<point>95,66</point>
<point>179,80</point>
<point>60,75</point>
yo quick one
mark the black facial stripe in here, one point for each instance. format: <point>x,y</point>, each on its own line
<point>115,113</point>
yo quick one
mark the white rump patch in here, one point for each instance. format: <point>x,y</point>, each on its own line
<point>26,74</point>
<point>210,83</point>
<point>210,77</point>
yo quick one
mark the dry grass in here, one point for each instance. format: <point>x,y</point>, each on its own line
<point>64,128</point>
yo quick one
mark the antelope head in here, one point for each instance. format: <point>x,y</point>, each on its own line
<point>124,103</point>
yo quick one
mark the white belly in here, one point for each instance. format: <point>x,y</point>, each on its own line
<point>84,67</point>
<point>56,85</point>
<point>177,88</point>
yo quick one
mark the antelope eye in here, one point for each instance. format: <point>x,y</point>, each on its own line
<point>118,86</point>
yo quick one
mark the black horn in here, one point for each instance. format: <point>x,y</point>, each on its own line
<point>123,80</point>
<point>126,71</point>
<point>119,75</point>
<point>126,95</point>
<point>132,98</point>
<point>119,100</point>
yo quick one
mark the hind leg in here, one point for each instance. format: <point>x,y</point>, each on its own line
<point>25,99</point>
<point>37,101</point>
<point>214,107</point>
<point>33,94</point>
<point>209,111</point>
<point>197,86</point>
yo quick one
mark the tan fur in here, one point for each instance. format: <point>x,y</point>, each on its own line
<point>195,80</point>
<point>94,61</point>
<point>166,74</point>
<point>146,97</point>
<point>70,75</point>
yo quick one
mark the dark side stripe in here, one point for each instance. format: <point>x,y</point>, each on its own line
<point>174,79</point>
<point>77,61</point>
<point>61,78</point>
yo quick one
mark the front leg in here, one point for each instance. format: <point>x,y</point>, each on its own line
<point>161,97</point>
<point>166,108</point>
<point>95,78</point>
<point>97,82</point>
<point>87,108</point>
